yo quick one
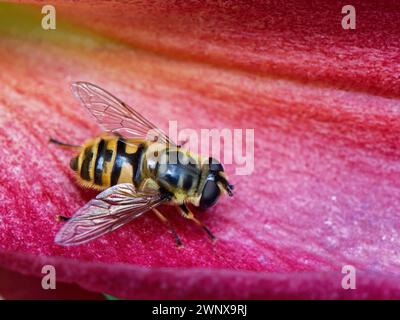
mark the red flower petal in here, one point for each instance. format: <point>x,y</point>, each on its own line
<point>14,285</point>
<point>325,188</point>
<point>292,38</point>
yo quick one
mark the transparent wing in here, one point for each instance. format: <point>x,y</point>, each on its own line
<point>115,115</point>
<point>110,210</point>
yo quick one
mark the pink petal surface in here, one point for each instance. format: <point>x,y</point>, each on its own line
<point>292,39</point>
<point>324,192</point>
<point>14,285</point>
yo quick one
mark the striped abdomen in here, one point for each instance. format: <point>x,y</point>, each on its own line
<point>107,161</point>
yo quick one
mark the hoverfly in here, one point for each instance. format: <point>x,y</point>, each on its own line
<point>136,174</point>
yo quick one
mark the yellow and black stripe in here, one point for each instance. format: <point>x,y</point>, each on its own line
<point>177,171</point>
<point>107,161</point>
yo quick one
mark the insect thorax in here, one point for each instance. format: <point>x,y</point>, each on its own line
<point>176,171</point>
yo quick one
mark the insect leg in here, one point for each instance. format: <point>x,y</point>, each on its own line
<point>184,210</point>
<point>62,144</point>
<point>171,227</point>
<point>182,144</point>
<point>60,217</point>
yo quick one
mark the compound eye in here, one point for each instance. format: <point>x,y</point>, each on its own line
<point>214,165</point>
<point>210,194</point>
